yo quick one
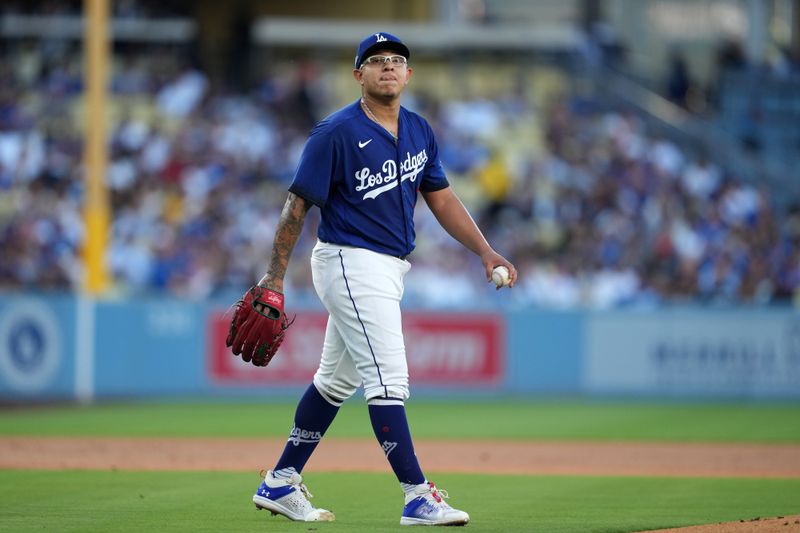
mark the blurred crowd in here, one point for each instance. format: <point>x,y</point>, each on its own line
<point>595,212</point>
<point>616,216</point>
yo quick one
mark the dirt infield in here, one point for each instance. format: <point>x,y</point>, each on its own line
<point>527,457</point>
<point>552,458</point>
<point>780,524</point>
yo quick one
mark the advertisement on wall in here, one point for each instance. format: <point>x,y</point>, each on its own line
<point>445,349</point>
<point>693,353</point>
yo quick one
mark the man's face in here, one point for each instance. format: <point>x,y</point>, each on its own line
<point>383,78</point>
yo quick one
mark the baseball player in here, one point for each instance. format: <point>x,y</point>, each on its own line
<point>363,167</point>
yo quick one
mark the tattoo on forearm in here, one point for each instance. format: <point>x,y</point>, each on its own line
<point>288,231</point>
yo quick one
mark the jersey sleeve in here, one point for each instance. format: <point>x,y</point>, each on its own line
<point>434,177</point>
<point>315,171</point>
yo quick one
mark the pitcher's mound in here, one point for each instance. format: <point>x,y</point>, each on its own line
<point>780,524</point>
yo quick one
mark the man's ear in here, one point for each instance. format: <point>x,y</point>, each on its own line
<point>357,74</point>
<point>409,73</point>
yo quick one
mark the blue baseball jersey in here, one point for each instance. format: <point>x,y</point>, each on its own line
<point>364,182</point>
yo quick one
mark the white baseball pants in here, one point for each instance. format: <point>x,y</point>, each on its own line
<point>361,290</point>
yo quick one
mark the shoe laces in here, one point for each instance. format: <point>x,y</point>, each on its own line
<point>296,481</point>
<point>438,494</point>
<point>302,488</point>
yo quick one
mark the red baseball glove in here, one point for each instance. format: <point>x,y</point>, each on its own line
<point>258,326</point>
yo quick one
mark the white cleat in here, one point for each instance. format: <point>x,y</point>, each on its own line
<point>289,497</point>
<point>425,506</point>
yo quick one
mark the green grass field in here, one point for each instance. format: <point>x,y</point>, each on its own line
<point>116,501</point>
<point>572,420</point>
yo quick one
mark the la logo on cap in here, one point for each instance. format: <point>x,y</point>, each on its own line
<point>379,38</point>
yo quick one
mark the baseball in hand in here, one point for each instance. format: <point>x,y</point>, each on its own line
<point>501,276</point>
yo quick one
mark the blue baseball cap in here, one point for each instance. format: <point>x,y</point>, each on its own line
<point>380,41</point>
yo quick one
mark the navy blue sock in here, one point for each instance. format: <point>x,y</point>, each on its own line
<point>391,429</point>
<point>311,420</point>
